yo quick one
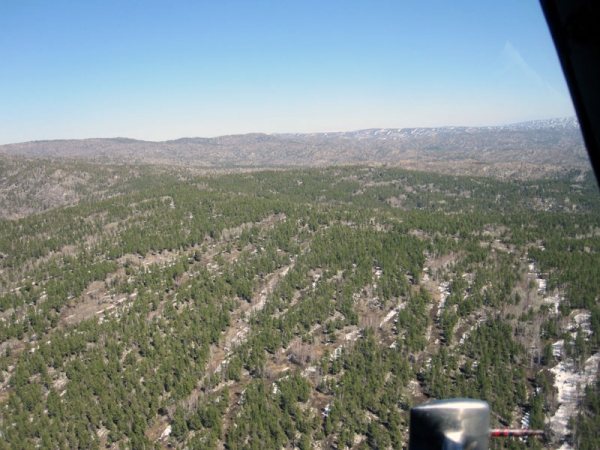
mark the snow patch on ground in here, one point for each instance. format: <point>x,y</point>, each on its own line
<point>336,353</point>
<point>311,370</point>
<point>388,317</point>
<point>557,348</point>
<point>554,302</point>
<point>222,366</point>
<point>541,284</point>
<point>166,433</point>
<point>464,337</point>
<point>353,335</point>
<point>582,320</point>
<point>571,389</point>
<point>444,290</point>
<point>316,280</point>
<point>525,422</point>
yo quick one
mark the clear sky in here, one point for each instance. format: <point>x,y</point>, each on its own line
<point>160,70</point>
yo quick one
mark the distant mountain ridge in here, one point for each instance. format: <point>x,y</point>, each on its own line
<point>383,133</point>
<point>562,122</point>
<point>554,141</point>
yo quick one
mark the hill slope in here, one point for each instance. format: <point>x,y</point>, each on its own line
<point>305,308</point>
<point>556,142</point>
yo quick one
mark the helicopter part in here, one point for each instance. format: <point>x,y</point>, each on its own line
<point>455,424</point>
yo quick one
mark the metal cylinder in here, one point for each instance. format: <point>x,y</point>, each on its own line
<point>450,424</point>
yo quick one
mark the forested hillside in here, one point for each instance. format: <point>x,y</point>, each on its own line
<point>305,308</point>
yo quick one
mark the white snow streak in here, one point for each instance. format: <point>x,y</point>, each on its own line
<point>571,389</point>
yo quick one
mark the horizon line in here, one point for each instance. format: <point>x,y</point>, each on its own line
<point>298,133</point>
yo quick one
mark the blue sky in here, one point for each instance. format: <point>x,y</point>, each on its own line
<point>160,70</point>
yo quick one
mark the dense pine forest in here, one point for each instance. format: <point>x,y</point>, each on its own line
<point>304,308</point>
